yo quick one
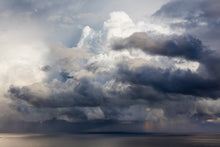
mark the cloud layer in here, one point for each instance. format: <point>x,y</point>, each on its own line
<point>119,69</point>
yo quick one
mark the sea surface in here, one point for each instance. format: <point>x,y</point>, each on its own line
<point>109,140</point>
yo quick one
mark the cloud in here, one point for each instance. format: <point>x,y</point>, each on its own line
<point>79,94</point>
<point>204,8</point>
<point>208,106</point>
<point>200,18</point>
<point>184,82</point>
<point>153,73</point>
<point>177,46</point>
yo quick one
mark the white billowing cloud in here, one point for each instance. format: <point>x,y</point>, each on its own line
<point>119,25</point>
<point>94,113</point>
<point>208,106</point>
<point>65,19</point>
<point>85,34</point>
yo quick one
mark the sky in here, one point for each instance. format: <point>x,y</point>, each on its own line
<point>122,65</point>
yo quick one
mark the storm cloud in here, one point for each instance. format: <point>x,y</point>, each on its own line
<point>177,46</point>
<point>183,82</point>
<point>199,17</point>
<point>99,69</point>
<point>82,94</point>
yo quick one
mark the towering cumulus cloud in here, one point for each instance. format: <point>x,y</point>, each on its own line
<point>162,70</point>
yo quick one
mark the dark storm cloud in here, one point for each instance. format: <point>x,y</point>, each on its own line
<point>128,93</point>
<point>177,46</point>
<point>198,9</point>
<point>186,47</point>
<point>199,17</point>
<point>165,80</point>
<point>142,92</point>
<point>212,64</point>
<point>168,9</point>
<point>85,93</point>
<point>178,90</point>
<point>147,85</point>
<point>211,8</point>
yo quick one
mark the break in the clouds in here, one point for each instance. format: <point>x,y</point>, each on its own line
<point>100,61</point>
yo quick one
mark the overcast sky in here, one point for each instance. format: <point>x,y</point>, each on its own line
<point>151,61</point>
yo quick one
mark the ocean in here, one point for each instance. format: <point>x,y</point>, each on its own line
<point>109,140</point>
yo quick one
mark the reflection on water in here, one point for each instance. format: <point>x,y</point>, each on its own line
<point>98,140</point>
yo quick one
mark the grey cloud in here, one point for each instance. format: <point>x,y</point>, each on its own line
<point>72,115</point>
<point>198,9</point>
<point>80,94</point>
<point>147,85</point>
<point>184,82</point>
<point>198,17</point>
<point>65,76</point>
<point>208,106</point>
<point>168,9</point>
<point>201,18</point>
<point>211,8</point>
<point>169,86</point>
<point>139,93</point>
<point>46,68</point>
<point>212,64</point>
<point>186,47</point>
<point>177,46</point>
<point>18,6</point>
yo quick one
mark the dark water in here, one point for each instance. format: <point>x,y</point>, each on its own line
<point>104,140</point>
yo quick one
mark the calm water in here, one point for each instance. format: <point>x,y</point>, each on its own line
<point>93,140</point>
